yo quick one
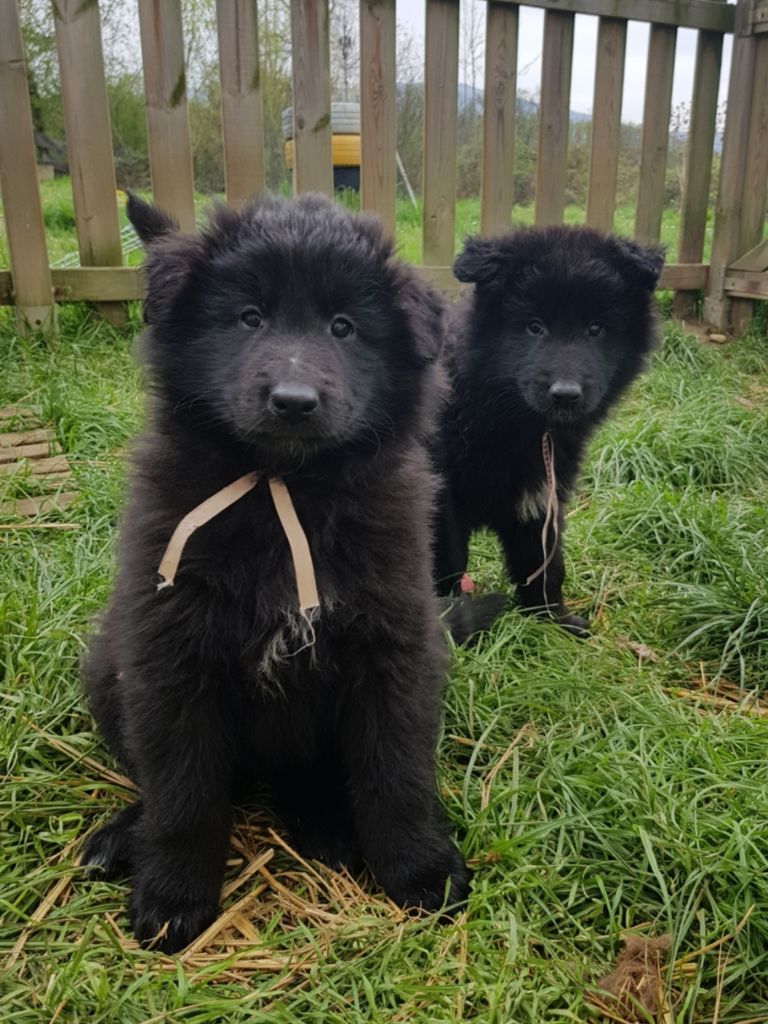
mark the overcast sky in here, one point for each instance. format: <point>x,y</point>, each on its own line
<point>410,13</point>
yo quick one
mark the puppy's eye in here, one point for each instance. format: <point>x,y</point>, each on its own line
<point>595,329</point>
<point>535,328</point>
<point>252,317</point>
<point>341,327</point>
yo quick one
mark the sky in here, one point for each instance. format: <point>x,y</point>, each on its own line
<point>410,14</point>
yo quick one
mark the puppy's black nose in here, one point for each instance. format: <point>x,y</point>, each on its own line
<point>566,392</point>
<point>294,402</point>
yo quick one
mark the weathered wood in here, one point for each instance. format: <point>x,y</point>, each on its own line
<point>702,14</point>
<point>22,438</point>
<point>242,116</point>
<point>312,166</point>
<point>498,183</point>
<point>606,123</point>
<point>11,453</point>
<point>89,138</point>
<point>698,158</point>
<point>378,106</point>
<point>752,221</point>
<point>56,465</point>
<point>441,84</point>
<point>554,111</point>
<point>655,137</point>
<point>754,259</point>
<point>747,286</point>
<point>165,92</point>
<point>18,182</point>
<point>673,276</point>
<point>38,506</point>
<point>733,161</point>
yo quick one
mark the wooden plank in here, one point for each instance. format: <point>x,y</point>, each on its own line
<point>165,93</point>
<point>554,112</point>
<point>8,453</point>
<point>242,115</point>
<point>500,107</point>
<point>82,284</point>
<point>755,259</point>
<point>673,276</point>
<point>89,138</point>
<point>86,284</point>
<point>701,14</point>
<point>655,137</point>
<point>18,438</point>
<point>733,159</point>
<point>747,286</point>
<point>18,182</point>
<point>19,413</point>
<point>606,123</point>
<point>378,108</point>
<point>752,221</point>
<point>56,464</point>
<point>312,165</point>
<point>37,506</point>
<point>441,84</point>
<point>698,158</point>
<point>701,137</point>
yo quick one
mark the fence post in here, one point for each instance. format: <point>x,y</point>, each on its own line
<point>441,86</point>
<point>165,90</point>
<point>733,160</point>
<point>755,176</point>
<point>312,134</point>
<point>698,159</point>
<point>499,110</point>
<point>33,292</point>
<point>378,110</point>
<point>606,123</point>
<point>89,139</point>
<point>554,114</point>
<point>655,138</point>
<point>242,117</point>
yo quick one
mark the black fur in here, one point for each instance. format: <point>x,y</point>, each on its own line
<point>523,362</point>
<point>212,688</point>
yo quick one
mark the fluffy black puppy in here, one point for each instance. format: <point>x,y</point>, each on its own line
<point>558,324</point>
<point>284,339</point>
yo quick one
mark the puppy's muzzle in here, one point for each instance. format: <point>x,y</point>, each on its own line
<point>566,393</point>
<point>293,403</point>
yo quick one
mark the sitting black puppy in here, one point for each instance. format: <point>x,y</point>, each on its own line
<point>558,324</point>
<point>285,633</point>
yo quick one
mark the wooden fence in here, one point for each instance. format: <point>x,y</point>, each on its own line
<point>735,275</point>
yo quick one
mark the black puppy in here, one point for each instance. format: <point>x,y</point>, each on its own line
<point>284,341</point>
<point>558,324</point>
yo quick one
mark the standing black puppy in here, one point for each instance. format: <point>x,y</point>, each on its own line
<point>284,341</point>
<point>559,323</point>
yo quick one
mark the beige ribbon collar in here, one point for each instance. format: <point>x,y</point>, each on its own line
<point>303,568</point>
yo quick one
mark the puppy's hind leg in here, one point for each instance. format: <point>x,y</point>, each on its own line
<point>103,692</point>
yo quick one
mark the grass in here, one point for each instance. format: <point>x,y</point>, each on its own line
<point>615,784</point>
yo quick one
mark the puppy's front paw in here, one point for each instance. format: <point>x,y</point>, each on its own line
<point>442,883</point>
<point>168,924</point>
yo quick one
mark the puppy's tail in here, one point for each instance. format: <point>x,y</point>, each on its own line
<point>464,616</point>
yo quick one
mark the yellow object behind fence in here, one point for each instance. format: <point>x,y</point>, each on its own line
<point>345,150</point>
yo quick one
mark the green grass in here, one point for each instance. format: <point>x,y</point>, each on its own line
<point>617,803</point>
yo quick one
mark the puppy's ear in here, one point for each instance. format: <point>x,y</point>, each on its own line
<point>640,264</point>
<point>149,222</point>
<point>424,308</point>
<point>478,262</point>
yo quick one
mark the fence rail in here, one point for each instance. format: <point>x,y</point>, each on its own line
<point>34,287</point>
